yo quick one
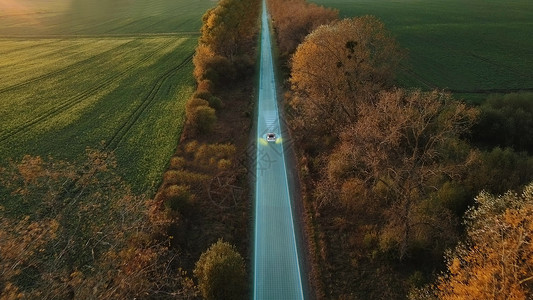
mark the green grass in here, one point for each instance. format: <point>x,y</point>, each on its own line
<point>470,47</point>
<point>79,73</point>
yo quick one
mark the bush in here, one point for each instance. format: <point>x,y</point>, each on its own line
<point>202,118</point>
<point>193,103</point>
<point>219,70</point>
<point>244,66</point>
<point>203,94</point>
<point>221,273</point>
<point>177,162</point>
<point>191,147</point>
<point>208,155</point>
<point>178,197</point>
<point>205,85</point>
<point>213,101</point>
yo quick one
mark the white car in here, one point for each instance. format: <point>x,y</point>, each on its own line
<point>271,137</point>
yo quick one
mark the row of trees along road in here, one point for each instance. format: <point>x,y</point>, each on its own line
<point>390,172</point>
<point>202,194</point>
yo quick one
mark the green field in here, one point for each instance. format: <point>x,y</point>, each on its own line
<point>80,73</point>
<point>470,47</point>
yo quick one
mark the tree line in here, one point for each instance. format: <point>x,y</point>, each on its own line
<point>203,194</point>
<point>391,174</point>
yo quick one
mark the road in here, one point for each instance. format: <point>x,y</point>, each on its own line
<point>277,273</point>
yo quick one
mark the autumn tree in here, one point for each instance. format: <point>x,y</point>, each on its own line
<point>71,231</point>
<point>200,116</point>
<point>211,66</point>
<point>229,27</point>
<point>337,67</point>
<point>225,50</point>
<point>221,273</point>
<point>293,20</point>
<point>400,150</point>
<point>496,261</point>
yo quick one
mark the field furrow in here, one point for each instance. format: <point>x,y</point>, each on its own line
<point>21,45</point>
<point>63,106</point>
<point>71,65</point>
<point>119,135</point>
<point>91,73</point>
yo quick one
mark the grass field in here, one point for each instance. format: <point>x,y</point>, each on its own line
<point>470,47</point>
<point>80,73</point>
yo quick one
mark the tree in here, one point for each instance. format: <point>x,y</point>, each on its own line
<point>225,49</point>
<point>83,234</point>
<point>337,67</point>
<point>295,19</point>
<point>506,121</point>
<point>400,150</point>
<point>229,27</point>
<point>221,273</point>
<point>496,262</point>
<point>201,118</point>
<point>500,170</point>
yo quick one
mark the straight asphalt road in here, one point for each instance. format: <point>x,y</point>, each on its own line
<point>276,263</point>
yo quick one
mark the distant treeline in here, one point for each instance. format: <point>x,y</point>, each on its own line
<point>390,175</point>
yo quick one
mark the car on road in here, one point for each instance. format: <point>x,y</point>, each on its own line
<point>271,137</point>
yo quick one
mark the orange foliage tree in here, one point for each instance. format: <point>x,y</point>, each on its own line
<point>337,67</point>
<point>400,150</point>
<point>496,262</point>
<point>230,27</point>
<point>85,234</point>
<point>293,20</point>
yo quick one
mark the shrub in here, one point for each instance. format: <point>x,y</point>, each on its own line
<point>202,118</point>
<point>170,177</point>
<point>193,103</point>
<point>213,100</point>
<point>218,70</point>
<point>178,197</point>
<point>201,57</point>
<point>203,94</point>
<point>224,164</point>
<point>206,85</point>
<point>207,155</point>
<point>177,162</point>
<point>500,170</point>
<point>244,66</point>
<point>191,146</point>
<point>221,273</point>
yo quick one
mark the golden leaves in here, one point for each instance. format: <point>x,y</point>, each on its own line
<point>498,264</point>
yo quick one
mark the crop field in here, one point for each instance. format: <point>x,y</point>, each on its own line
<point>111,75</point>
<point>471,48</point>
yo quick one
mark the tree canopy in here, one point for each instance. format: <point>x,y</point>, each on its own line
<point>496,262</point>
<point>339,66</point>
<point>220,272</point>
<point>295,19</point>
<point>398,152</point>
